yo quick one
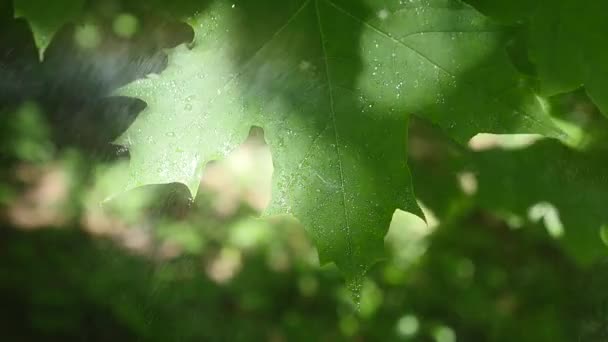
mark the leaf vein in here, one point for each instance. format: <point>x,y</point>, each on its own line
<point>250,59</point>
<point>428,59</point>
<point>333,117</point>
<point>446,31</point>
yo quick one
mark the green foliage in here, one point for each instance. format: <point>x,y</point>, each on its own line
<point>567,42</point>
<point>318,76</point>
<point>491,286</point>
<point>27,135</point>
<point>47,17</point>
<point>360,102</point>
<point>549,175</point>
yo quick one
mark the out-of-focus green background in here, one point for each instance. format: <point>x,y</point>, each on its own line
<point>154,265</point>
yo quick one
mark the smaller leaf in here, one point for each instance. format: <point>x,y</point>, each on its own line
<point>566,42</point>
<point>46,18</point>
<point>550,175</point>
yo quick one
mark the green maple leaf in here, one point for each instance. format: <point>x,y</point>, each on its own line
<point>331,83</point>
<point>568,42</point>
<point>46,17</point>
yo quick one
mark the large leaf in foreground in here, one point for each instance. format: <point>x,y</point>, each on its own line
<point>330,83</point>
<point>46,17</point>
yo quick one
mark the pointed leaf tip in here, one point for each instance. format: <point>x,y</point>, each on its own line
<point>45,18</point>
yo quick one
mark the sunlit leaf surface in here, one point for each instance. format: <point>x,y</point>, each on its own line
<point>331,83</point>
